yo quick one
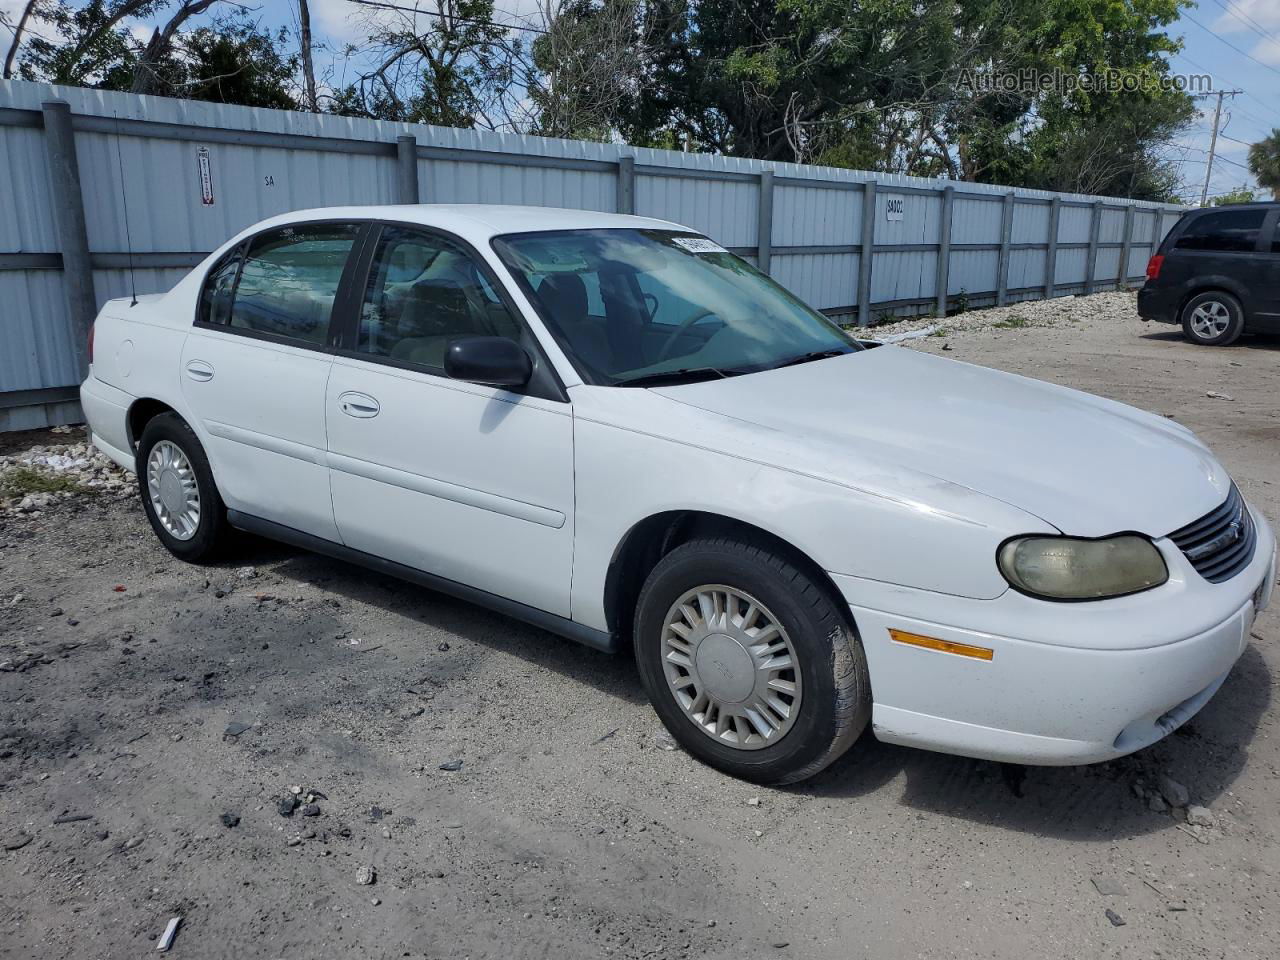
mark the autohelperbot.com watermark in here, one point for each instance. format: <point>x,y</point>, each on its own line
<point>1029,80</point>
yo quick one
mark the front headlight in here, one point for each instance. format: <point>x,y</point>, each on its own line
<point>1062,568</point>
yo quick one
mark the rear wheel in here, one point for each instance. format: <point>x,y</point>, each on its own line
<point>1213,319</point>
<point>178,492</point>
<point>749,663</point>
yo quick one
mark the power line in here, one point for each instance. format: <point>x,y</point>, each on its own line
<point>1263,103</point>
<point>1240,15</point>
<point>1230,44</point>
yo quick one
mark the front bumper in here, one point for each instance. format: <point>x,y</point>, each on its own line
<point>1066,683</point>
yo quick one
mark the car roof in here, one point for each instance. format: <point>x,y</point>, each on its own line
<point>476,222</point>
<point>1254,205</point>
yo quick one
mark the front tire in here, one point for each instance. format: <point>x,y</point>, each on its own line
<point>178,494</point>
<point>1213,319</point>
<point>750,664</point>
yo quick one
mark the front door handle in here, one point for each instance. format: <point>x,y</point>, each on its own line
<point>359,405</point>
<point>199,370</point>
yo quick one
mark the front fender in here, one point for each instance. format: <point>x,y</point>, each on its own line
<point>913,530</point>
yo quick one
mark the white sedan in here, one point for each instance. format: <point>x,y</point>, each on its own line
<point>610,427</point>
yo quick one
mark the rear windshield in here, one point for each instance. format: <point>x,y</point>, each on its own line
<point>1223,230</point>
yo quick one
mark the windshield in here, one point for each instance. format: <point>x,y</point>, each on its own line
<point>638,307</point>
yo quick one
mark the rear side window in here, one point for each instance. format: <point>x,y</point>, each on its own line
<point>220,288</point>
<point>1275,239</point>
<point>1235,230</point>
<point>288,280</point>
<point>423,292</point>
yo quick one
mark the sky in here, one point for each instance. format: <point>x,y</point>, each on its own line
<point>1237,42</point>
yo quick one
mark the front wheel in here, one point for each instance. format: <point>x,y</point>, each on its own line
<point>1213,319</point>
<point>749,663</point>
<point>178,492</point>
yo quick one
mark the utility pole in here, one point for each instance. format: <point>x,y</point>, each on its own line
<point>1213,141</point>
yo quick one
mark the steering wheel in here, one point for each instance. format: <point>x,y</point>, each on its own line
<point>675,334</point>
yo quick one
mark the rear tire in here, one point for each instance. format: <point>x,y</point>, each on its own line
<point>178,494</point>
<point>748,612</point>
<point>1213,319</point>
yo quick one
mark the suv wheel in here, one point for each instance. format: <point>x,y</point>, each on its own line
<point>1213,319</point>
<point>178,492</point>
<point>749,663</point>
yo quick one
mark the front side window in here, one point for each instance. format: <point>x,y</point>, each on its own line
<point>636,307</point>
<point>1233,230</point>
<point>423,292</point>
<point>289,281</point>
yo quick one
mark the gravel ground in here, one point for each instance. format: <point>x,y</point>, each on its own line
<point>510,794</point>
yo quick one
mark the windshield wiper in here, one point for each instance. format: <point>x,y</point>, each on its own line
<point>809,357</point>
<point>683,375</point>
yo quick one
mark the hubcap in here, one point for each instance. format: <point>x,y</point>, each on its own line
<point>731,667</point>
<point>1210,319</point>
<point>172,490</point>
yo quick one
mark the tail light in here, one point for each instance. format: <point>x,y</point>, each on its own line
<point>1154,265</point>
<point>91,344</point>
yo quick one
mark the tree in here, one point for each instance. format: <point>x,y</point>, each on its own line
<point>146,66</point>
<point>451,65</point>
<point>310,100</point>
<point>584,67</point>
<point>91,47</point>
<point>230,60</point>
<point>1264,162</point>
<point>1238,195</point>
<point>236,61</point>
<point>28,10</point>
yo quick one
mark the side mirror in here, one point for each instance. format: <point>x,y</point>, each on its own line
<point>491,361</point>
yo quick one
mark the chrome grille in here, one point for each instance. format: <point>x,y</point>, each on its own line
<point>1219,544</point>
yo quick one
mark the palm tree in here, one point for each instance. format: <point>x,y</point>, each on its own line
<point>1264,162</point>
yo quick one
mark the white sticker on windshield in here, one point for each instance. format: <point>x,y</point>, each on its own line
<point>698,245</point>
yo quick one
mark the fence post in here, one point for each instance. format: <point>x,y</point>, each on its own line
<point>942,277</point>
<point>1051,254</point>
<point>1002,268</point>
<point>866,252</point>
<point>626,184</point>
<point>407,168</point>
<point>1122,271</point>
<point>1091,258</point>
<point>68,215</point>
<point>764,226</point>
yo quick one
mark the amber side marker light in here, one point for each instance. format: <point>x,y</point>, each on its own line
<point>944,646</point>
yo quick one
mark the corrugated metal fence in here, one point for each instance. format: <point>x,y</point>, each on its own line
<point>89,174</point>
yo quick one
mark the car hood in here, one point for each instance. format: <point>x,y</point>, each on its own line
<point>1088,466</point>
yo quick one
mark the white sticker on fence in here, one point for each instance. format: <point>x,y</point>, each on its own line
<point>206,176</point>
<point>698,245</point>
<point>894,207</point>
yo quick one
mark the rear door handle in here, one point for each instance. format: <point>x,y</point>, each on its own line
<point>199,370</point>
<point>359,405</point>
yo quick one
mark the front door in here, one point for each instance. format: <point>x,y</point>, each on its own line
<point>470,483</point>
<point>255,366</point>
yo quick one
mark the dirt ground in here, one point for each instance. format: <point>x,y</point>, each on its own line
<point>168,709</point>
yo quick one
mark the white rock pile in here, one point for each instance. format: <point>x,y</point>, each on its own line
<point>77,461</point>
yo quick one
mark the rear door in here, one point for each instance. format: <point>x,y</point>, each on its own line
<point>1224,248</point>
<point>470,483</point>
<point>255,367</point>
<point>1268,316</point>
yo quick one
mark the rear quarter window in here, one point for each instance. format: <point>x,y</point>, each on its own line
<point>1229,230</point>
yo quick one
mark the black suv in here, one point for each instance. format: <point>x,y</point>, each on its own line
<point>1218,274</point>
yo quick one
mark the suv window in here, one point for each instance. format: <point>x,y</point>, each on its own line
<point>1275,239</point>
<point>423,292</point>
<point>287,284</point>
<point>1223,230</point>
